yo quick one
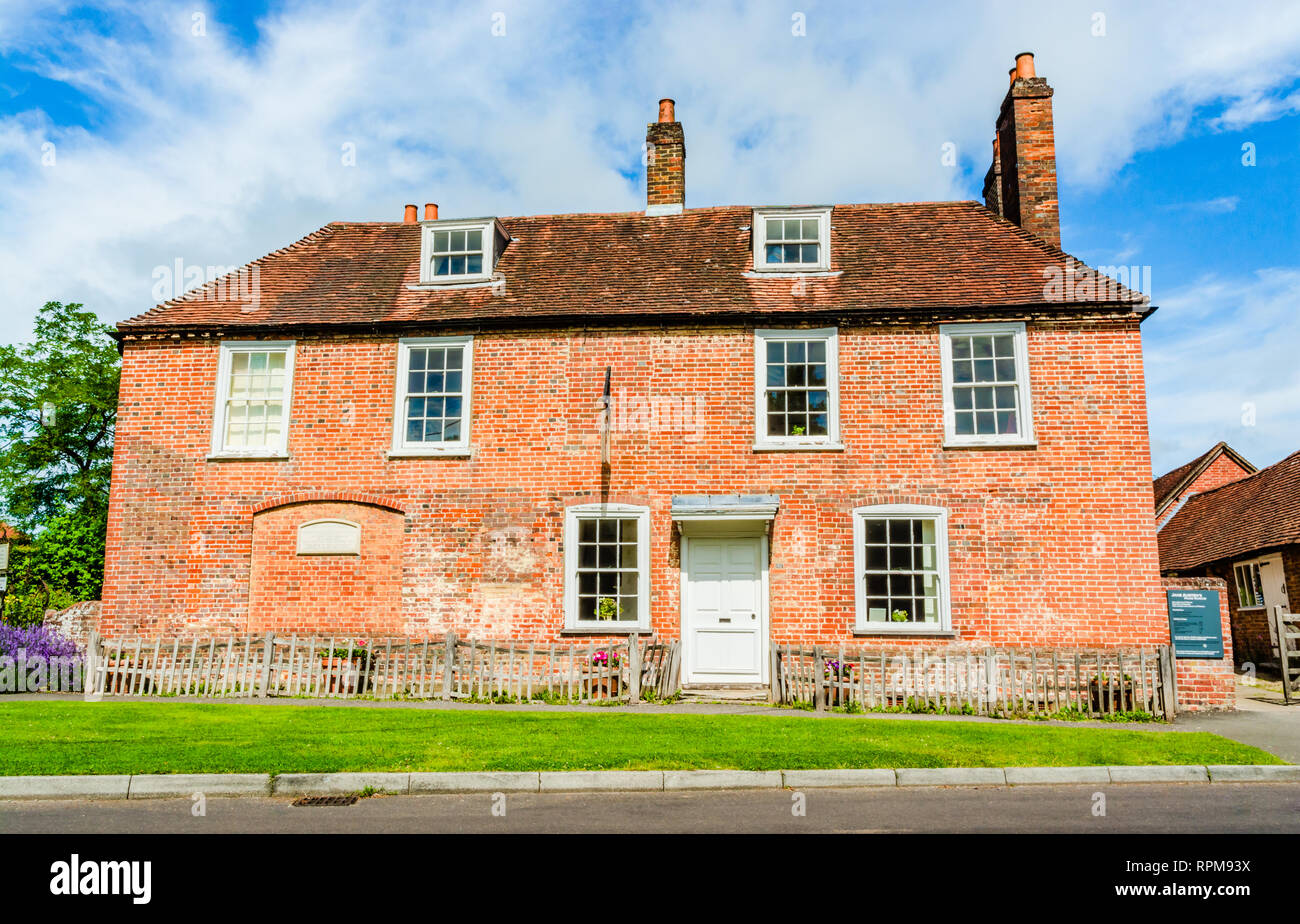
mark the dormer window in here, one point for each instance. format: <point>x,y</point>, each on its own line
<point>459,251</point>
<point>792,240</point>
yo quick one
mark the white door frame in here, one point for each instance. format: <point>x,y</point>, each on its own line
<point>764,621</point>
<point>1277,574</point>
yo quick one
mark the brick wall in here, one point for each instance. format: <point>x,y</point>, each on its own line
<point>1048,546</point>
<point>1204,684</point>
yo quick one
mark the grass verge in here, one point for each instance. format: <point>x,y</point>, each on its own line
<point>77,737</point>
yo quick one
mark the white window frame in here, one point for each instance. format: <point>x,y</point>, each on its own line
<point>572,515</point>
<point>1026,411</point>
<point>1251,567</point>
<point>460,447</point>
<point>227,350</point>
<point>861,625</point>
<point>762,439</point>
<point>489,228</point>
<point>759,234</point>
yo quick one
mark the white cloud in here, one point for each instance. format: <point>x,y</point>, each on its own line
<point>1234,378</point>
<point>215,153</point>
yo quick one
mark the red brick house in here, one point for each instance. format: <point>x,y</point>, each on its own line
<point>1217,467</point>
<point>903,422</point>
<point>1247,532</point>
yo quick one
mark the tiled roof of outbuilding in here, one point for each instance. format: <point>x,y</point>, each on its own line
<point>1258,512</point>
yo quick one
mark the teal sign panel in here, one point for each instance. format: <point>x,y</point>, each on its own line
<point>1194,625</point>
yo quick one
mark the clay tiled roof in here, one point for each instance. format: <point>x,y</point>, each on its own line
<point>1258,512</point>
<point>897,259</point>
<point>1169,485</point>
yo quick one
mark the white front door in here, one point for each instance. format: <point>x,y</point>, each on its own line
<point>1272,581</point>
<point>724,613</point>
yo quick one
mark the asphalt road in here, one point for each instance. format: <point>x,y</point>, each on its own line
<point>1175,809</point>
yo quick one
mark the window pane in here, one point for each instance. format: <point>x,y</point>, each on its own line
<point>772,253</point>
<point>474,240</point>
<point>809,253</point>
<point>810,231</point>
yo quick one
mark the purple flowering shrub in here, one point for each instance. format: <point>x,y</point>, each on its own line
<point>37,644</point>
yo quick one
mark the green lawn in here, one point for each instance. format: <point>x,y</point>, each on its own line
<point>77,737</point>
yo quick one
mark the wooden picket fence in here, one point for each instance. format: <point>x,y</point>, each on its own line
<point>446,668</point>
<point>1003,681</point>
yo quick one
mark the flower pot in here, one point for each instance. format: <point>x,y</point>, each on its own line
<point>1102,693</point>
<point>343,675</point>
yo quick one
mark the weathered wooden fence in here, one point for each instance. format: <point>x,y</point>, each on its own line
<point>1003,681</point>
<point>447,668</point>
<point>1287,627</point>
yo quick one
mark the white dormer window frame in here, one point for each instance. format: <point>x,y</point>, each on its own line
<point>433,246</point>
<point>821,215</point>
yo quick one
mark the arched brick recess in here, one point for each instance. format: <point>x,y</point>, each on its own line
<point>326,594</point>
<point>312,497</point>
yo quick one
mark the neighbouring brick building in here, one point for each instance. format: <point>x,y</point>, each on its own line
<point>1217,467</point>
<point>887,423</point>
<point>1246,531</point>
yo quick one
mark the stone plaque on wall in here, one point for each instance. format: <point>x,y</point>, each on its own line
<point>329,537</point>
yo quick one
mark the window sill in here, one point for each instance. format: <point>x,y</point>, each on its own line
<point>621,630</point>
<point>449,452</point>
<point>928,633</point>
<point>460,282</point>
<point>1025,444</point>
<point>247,457</point>
<point>774,273</point>
<point>798,447</point>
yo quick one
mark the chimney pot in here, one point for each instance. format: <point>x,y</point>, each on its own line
<point>1011,75</point>
<point>1025,65</point>
<point>430,211</point>
<point>666,110</point>
<point>409,216</point>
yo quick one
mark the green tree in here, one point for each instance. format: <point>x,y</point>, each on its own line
<point>58,406</point>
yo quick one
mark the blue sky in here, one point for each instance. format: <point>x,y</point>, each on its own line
<point>213,133</point>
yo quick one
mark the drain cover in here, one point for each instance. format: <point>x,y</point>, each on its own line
<point>326,800</point>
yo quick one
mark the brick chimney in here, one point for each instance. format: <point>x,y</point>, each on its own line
<point>1021,184</point>
<point>665,172</point>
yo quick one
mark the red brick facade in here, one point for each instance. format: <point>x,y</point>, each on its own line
<point>1052,545</point>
